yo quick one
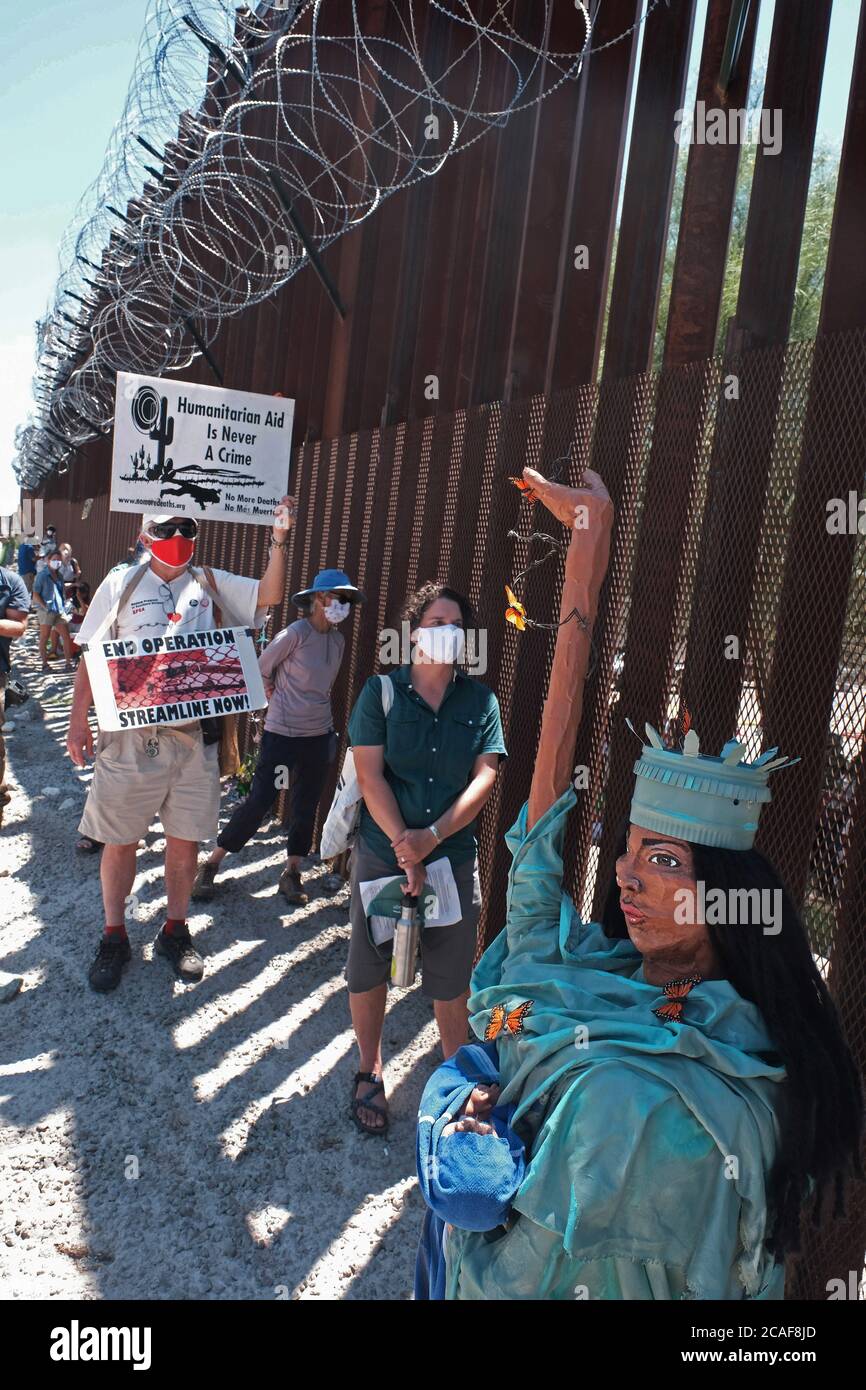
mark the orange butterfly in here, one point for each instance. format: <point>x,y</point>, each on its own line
<point>501,1019</point>
<point>515,612</point>
<point>525,488</point>
<point>676,991</point>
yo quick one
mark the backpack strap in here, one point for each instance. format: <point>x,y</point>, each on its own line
<point>387,692</point>
<point>223,615</point>
<point>120,603</point>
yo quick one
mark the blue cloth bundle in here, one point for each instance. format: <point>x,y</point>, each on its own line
<point>468,1180</point>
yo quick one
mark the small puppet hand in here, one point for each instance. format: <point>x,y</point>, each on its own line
<point>472,1116</point>
<point>482,1100</point>
<point>468,1126</point>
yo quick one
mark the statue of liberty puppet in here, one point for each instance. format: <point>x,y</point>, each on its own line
<point>652,1099</point>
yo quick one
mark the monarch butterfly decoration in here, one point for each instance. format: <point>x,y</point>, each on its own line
<point>515,612</point>
<point>676,991</point>
<point>529,494</point>
<point>509,1024</point>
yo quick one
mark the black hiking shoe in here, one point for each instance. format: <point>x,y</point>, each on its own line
<point>105,972</point>
<point>178,948</point>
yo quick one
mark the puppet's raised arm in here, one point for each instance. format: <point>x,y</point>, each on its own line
<point>588,512</point>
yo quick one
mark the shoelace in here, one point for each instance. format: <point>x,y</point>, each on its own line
<point>182,939</point>
<point>109,944</point>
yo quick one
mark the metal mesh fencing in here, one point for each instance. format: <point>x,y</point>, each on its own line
<point>725,495</point>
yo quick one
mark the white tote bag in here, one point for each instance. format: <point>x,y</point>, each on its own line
<point>339,829</point>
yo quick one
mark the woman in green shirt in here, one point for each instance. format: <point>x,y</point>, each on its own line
<point>425,770</point>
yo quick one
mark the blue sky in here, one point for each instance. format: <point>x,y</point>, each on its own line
<point>64,72</point>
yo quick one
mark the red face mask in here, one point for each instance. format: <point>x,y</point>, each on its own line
<point>175,552</point>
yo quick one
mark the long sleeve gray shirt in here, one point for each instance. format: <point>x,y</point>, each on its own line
<point>302,665</point>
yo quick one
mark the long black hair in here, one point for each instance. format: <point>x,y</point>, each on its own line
<point>821,1117</point>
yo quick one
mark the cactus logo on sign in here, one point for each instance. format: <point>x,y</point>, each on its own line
<point>195,450</point>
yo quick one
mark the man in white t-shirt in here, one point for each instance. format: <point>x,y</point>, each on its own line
<point>164,770</point>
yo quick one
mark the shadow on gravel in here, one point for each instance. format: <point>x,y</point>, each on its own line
<point>210,1141</point>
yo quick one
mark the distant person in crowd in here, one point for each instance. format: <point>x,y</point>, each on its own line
<point>49,602</point>
<point>14,607</point>
<point>299,668</point>
<point>136,553</point>
<point>170,770</point>
<point>70,571</point>
<point>27,560</point>
<point>80,613</point>
<point>76,618</point>
<point>425,771</point>
<point>48,544</point>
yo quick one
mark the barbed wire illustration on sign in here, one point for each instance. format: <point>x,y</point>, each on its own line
<point>251,139</point>
<point>166,678</point>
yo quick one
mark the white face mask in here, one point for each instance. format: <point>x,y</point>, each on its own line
<point>442,645</point>
<point>335,612</point>
<point>55,564</point>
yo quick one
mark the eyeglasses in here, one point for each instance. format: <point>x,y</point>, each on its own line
<point>166,598</point>
<point>164,530</point>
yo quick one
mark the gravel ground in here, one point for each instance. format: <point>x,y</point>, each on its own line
<point>177,1141</point>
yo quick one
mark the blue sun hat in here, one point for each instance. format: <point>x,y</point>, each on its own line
<point>698,797</point>
<point>330,581</point>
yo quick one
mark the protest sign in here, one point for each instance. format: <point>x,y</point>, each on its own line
<point>199,450</point>
<point>138,682</point>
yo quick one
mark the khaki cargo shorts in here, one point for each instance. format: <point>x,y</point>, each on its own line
<point>48,618</point>
<point>181,785</point>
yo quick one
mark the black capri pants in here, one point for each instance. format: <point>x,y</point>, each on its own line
<point>307,760</point>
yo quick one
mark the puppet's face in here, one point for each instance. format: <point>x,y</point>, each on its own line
<point>658,897</point>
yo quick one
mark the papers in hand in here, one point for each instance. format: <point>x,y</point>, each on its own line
<point>438,902</point>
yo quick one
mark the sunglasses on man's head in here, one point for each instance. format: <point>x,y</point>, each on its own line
<point>164,530</point>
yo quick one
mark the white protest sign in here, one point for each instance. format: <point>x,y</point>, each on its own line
<point>199,450</point>
<point>141,681</point>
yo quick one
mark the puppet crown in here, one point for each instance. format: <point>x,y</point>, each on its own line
<point>698,797</point>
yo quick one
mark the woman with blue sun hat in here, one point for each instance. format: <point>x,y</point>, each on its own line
<point>299,668</point>
<point>654,1099</point>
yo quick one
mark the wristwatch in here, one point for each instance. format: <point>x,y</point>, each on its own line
<point>435,830</point>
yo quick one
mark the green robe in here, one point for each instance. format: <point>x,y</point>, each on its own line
<point>649,1143</point>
